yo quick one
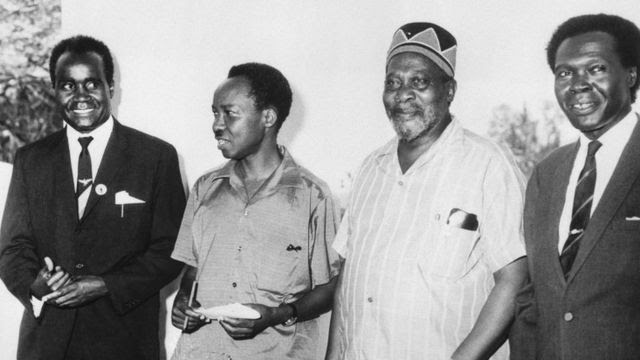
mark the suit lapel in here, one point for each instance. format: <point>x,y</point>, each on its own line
<point>112,161</point>
<point>624,175</point>
<point>66,207</point>
<point>561,174</point>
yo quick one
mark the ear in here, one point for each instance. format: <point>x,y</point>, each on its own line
<point>270,117</point>
<point>633,76</point>
<point>110,90</point>
<point>451,87</point>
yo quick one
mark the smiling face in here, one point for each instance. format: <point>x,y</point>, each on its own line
<point>239,127</point>
<point>591,84</point>
<point>82,91</point>
<point>416,95</point>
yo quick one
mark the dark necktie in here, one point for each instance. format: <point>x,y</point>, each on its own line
<point>85,179</point>
<point>581,208</point>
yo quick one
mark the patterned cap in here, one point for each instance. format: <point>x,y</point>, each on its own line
<point>427,39</point>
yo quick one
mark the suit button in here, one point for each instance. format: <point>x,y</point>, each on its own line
<point>568,316</point>
<point>234,284</point>
<point>79,266</point>
<point>370,299</point>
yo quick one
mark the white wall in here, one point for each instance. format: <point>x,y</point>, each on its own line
<point>172,54</point>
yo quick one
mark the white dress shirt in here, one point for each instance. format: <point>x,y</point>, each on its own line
<point>613,143</point>
<point>96,150</point>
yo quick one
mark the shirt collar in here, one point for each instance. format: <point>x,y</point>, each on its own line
<point>617,136</point>
<point>287,174</point>
<point>100,134</point>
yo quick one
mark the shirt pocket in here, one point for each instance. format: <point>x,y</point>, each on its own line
<point>282,268</point>
<point>449,257</point>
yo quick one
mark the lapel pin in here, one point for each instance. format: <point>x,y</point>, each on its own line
<point>101,189</point>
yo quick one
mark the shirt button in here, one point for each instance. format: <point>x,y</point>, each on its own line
<point>79,266</point>
<point>370,299</point>
<point>400,183</point>
<point>568,316</point>
<point>246,212</point>
<point>234,284</point>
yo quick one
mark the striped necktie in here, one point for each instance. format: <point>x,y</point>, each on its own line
<point>85,178</point>
<point>581,208</point>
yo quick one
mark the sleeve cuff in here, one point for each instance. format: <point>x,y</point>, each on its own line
<point>36,306</point>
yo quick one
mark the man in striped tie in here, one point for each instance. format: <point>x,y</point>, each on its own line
<point>582,213</point>
<point>431,238</point>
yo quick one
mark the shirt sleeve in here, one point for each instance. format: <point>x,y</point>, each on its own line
<point>184,249</point>
<point>340,242</point>
<point>324,261</point>
<point>502,231</point>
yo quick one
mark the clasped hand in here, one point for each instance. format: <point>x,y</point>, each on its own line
<point>60,289</point>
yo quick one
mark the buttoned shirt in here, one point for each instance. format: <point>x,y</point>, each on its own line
<point>269,249</point>
<point>613,143</point>
<point>96,149</point>
<point>416,275</point>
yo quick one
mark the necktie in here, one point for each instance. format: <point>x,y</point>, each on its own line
<point>85,179</point>
<point>581,208</point>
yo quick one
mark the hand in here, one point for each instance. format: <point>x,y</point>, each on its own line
<point>184,317</point>
<point>242,329</point>
<point>81,290</point>
<point>49,279</point>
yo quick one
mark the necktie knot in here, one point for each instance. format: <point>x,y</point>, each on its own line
<point>593,147</point>
<point>84,142</point>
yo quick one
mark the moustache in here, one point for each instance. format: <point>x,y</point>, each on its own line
<point>400,110</point>
<point>218,133</point>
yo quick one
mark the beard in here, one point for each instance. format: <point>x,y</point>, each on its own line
<point>422,121</point>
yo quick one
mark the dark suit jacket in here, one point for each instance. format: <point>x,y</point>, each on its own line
<point>595,313</point>
<point>131,253</point>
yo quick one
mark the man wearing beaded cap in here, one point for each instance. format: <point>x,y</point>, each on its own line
<point>431,238</point>
<point>582,211</point>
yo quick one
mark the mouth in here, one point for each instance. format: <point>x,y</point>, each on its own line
<point>222,142</point>
<point>583,107</point>
<point>82,108</point>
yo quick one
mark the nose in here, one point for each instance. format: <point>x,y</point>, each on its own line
<point>404,93</point>
<point>218,123</point>
<point>579,84</point>
<point>80,92</point>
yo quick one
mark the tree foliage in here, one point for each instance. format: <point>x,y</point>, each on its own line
<point>530,137</point>
<point>27,104</point>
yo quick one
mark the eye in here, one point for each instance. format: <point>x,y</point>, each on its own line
<point>561,74</point>
<point>91,85</point>
<point>67,86</point>
<point>598,68</point>
<point>420,83</point>
<point>392,84</point>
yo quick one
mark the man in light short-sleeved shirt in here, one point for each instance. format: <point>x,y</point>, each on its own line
<point>432,236</point>
<point>257,231</point>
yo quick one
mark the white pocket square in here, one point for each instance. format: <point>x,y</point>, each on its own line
<point>632,218</point>
<point>123,198</point>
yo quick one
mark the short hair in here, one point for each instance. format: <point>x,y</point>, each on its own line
<point>269,88</point>
<point>81,44</point>
<point>625,33</point>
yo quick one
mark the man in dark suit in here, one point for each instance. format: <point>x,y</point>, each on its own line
<point>582,212</point>
<point>91,219</point>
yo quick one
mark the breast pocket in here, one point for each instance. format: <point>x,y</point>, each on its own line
<point>450,256</point>
<point>282,267</point>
